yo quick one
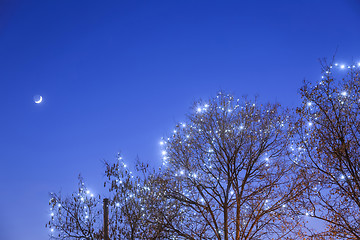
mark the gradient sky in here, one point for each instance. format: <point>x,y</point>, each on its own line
<point>117,76</point>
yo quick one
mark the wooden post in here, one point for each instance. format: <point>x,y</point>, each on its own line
<point>106,219</point>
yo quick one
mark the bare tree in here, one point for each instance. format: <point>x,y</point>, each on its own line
<point>231,173</point>
<point>75,217</point>
<point>138,207</point>
<point>328,148</point>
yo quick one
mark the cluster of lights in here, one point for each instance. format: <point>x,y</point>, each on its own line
<point>185,131</point>
<point>84,195</point>
<point>343,66</point>
<point>341,97</point>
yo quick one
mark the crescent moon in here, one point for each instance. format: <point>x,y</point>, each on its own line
<point>40,100</point>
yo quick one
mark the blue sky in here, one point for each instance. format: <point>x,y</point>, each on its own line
<point>117,76</point>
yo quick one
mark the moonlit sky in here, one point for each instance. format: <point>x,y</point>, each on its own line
<point>118,75</point>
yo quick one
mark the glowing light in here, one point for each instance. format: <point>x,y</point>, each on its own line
<point>342,66</point>
<point>163,152</point>
<point>336,64</point>
<point>198,110</point>
<point>52,230</point>
<point>344,93</point>
<point>181,172</point>
<point>161,143</point>
<point>310,124</point>
<point>309,104</point>
<point>87,192</point>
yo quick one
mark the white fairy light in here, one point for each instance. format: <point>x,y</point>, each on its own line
<point>310,124</point>
<point>182,172</point>
<point>87,192</point>
<point>163,153</point>
<point>309,104</point>
<point>198,110</point>
<point>52,230</point>
<point>336,64</point>
<point>342,66</point>
<point>161,142</point>
<point>344,93</point>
